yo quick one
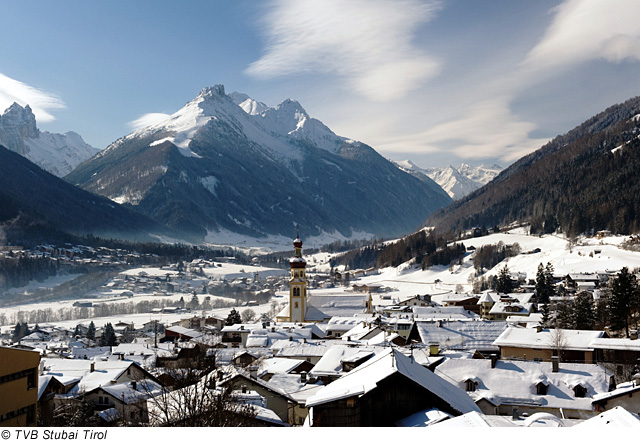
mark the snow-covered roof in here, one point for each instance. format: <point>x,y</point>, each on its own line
<point>475,419</point>
<point>620,344</point>
<point>514,382</point>
<point>366,377</point>
<point>574,340</point>
<point>423,418</point>
<point>461,334</point>
<point>331,362</point>
<point>291,384</point>
<point>103,374</point>
<point>511,308</point>
<point>442,313</point>
<point>277,365</point>
<point>626,388</point>
<point>616,417</point>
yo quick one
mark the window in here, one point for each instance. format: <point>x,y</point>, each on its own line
<point>470,385</point>
<point>580,391</point>
<point>541,389</point>
<point>296,292</point>
<point>295,305</point>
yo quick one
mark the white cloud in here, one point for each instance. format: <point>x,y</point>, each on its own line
<point>147,120</point>
<point>366,42</point>
<point>584,30</point>
<point>40,102</point>
<point>486,130</point>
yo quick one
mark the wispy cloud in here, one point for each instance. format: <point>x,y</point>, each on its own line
<point>40,102</point>
<point>584,30</point>
<point>486,130</point>
<point>147,120</point>
<point>366,42</point>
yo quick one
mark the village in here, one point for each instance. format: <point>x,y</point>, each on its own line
<point>212,342</point>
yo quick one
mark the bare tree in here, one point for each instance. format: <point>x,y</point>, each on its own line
<point>558,342</point>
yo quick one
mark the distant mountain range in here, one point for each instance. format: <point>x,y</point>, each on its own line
<point>227,163</point>
<point>457,182</point>
<point>58,154</point>
<point>584,180</point>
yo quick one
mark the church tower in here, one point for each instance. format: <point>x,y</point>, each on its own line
<point>297,284</point>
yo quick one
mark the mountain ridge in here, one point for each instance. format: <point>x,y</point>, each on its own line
<point>257,173</point>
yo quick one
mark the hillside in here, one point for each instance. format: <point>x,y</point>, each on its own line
<point>581,181</point>
<point>36,204</point>
<point>226,163</point>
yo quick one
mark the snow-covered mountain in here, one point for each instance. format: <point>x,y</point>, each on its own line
<point>457,182</point>
<point>58,154</point>
<point>228,163</point>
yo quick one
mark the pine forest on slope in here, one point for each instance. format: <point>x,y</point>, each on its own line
<point>582,181</point>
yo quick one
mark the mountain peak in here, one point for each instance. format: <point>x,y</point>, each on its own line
<point>212,91</point>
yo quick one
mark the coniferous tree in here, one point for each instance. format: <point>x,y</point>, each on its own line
<point>233,318</point>
<point>504,284</point>
<point>108,336</point>
<point>91,332</point>
<point>583,315</point>
<point>624,296</point>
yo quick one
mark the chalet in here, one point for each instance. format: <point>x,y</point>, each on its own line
<point>417,300</point>
<point>128,399</point>
<point>383,390</point>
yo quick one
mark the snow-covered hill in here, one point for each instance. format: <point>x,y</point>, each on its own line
<point>457,182</point>
<point>229,164</point>
<point>589,255</point>
<point>58,154</point>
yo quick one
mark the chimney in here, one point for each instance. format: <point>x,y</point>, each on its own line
<point>633,334</point>
<point>253,372</point>
<point>41,367</point>
<point>303,377</point>
<point>494,360</point>
<point>538,328</point>
<point>92,367</point>
<point>555,364</point>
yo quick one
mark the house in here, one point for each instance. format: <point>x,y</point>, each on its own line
<point>179,333</point>
<point>128,399</point>
<point>338,360</point>
<point>417,300</point>
<point>618,354</point>
<point>18,387</point>
<point>383,390</point>
<point>626,395</point>
<point>501,386</point>
<point>277,399</point>
<point>541,344</point>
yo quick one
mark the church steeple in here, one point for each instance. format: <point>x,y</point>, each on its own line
<point>297,283</point>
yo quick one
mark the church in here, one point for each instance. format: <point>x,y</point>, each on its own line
<point>305,308</point>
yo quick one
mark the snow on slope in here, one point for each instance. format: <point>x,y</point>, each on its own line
<point>457,182</point>
<point>441,280</point>
<point>271,128</point>
<point>58,154</point>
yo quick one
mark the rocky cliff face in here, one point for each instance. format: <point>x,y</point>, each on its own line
<point>58,154</point>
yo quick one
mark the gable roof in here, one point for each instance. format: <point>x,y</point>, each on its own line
<point>513,382</point>
<point>462,335</point>
<point>574,340</point>
<point>364,378</point>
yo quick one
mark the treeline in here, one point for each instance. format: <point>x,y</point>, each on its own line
<point>348,245</point>
<point>48,315</point>
<point>425,248</point>
<point>17,272</point>
<point>488,256</point>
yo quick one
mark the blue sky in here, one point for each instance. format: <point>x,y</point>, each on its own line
<point>437,82</point>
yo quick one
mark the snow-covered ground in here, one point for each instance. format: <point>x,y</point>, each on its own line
<point>407,281</point>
